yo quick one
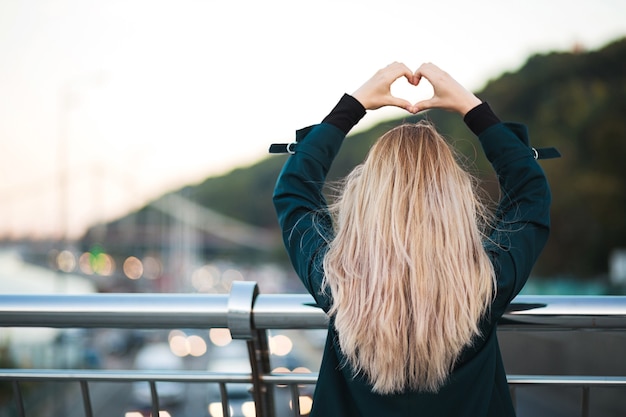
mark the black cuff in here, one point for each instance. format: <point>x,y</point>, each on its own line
<point>480,118</point>
<point>346,113</point>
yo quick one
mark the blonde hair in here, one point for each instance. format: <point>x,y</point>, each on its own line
<point>407,271</point>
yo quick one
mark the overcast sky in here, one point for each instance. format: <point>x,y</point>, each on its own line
<point>133,98</point>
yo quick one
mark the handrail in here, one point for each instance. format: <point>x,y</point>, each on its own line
<point>273,378</point>
<point>248,315</point>
<point>271,311</point>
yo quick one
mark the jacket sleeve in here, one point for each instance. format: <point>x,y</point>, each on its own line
<point>523,217</point>
<point>301,207</point>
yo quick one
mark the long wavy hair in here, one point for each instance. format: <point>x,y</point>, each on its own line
<point>409,277</point>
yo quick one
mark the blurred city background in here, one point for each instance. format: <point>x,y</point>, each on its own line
<point>133,139</point>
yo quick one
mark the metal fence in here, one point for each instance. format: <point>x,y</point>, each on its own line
<point>249,315</point>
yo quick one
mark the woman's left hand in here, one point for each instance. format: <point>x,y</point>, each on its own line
<point>376,92</point>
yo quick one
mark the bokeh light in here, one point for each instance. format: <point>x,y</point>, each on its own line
<point>103,264</point>
<point>162,413</point>
<point>215,410</point>
<point>133,268</point>
<point>220,337</point>
<point>280,345</point>
<point>99,262</point>
<point>152,267</point>
<point>197,345</point>
<point>305,402</point>
<point>205,278</point>
<point>84,263</point>
<point>179,345</point>
<point>229,276</point>
<point>66,261</point>
<point>248,409</point>
<point>183,345</point>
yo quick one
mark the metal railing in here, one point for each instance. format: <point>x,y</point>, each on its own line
<point>248,315</point>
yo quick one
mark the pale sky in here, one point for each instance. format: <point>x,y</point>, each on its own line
<point>134,98</point>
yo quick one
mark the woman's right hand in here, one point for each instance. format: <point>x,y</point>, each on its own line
<point>376,92</point>
<point>448,93</point>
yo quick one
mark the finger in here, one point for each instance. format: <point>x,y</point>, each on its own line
<point>430,103</point>
<point>427,70</point>
<point>407,73</point>
<point>401,103</point>
<point>415,79</point>
<point>399,69</point>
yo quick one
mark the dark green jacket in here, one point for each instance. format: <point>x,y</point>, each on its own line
<point>477,386</point>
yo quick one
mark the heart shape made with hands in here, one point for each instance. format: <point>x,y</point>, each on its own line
<point>401,88</point>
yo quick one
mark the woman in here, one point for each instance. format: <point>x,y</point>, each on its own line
<point>412,276</point>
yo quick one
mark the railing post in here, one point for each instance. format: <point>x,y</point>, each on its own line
<point>19,400</point>
<point>585,401</point>
<point>84,388</point>
<point>156,409</point>
<point>295,399</point>
<point>513,392</point>
<point>240,304</point>
<point>224,397</point>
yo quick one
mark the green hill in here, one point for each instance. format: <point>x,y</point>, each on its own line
<point>574,101</point>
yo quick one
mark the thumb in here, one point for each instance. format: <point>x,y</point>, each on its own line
<point>398,102</point>
<point>427,104</point>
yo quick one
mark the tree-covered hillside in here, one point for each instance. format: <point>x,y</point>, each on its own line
<point>574,101</point>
